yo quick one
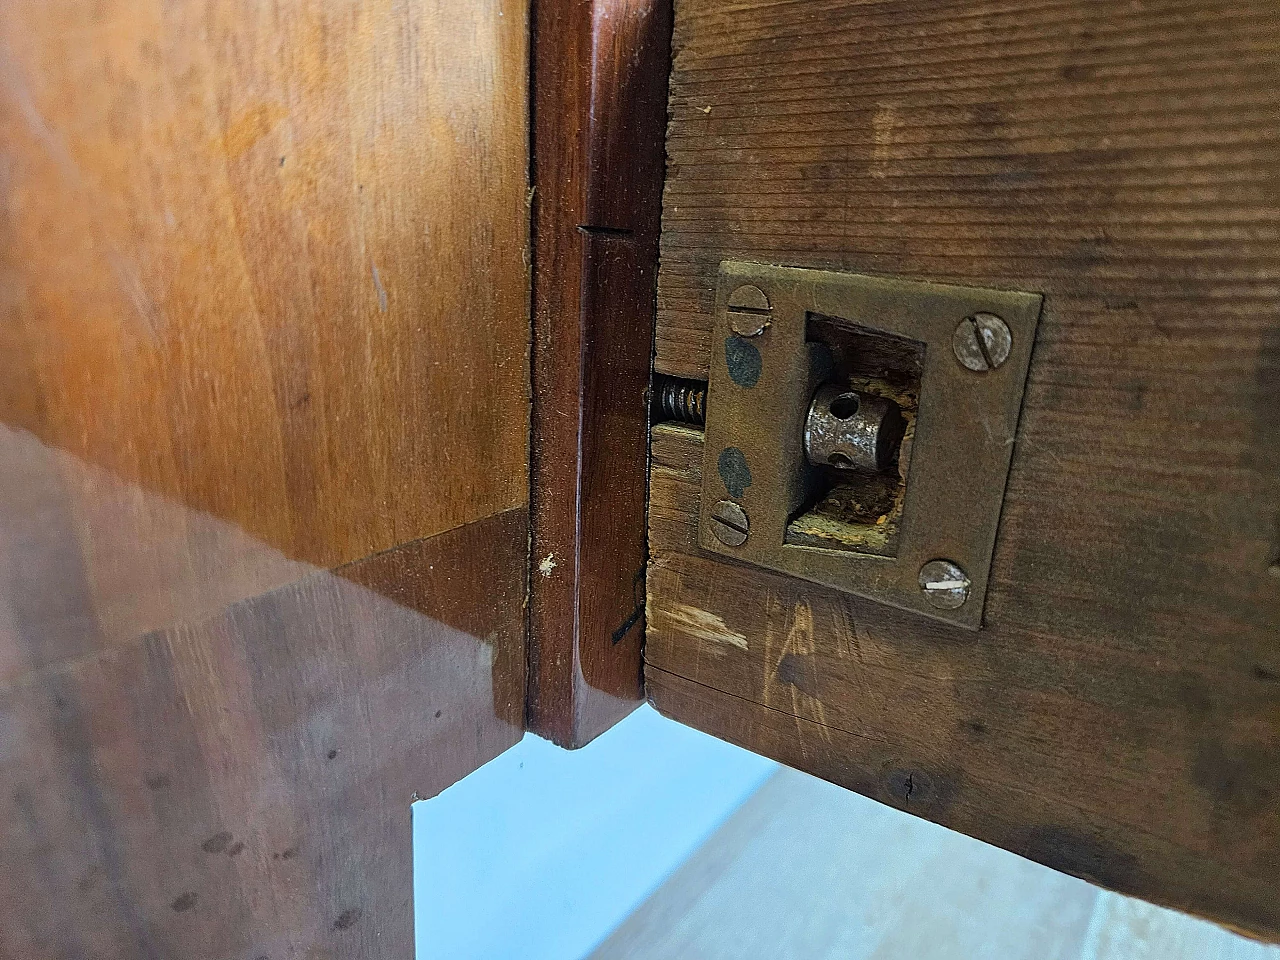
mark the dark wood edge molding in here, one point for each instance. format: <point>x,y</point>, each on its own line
<point>599,74</point>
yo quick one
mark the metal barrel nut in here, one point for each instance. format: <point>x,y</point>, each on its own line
<point>850,430</point>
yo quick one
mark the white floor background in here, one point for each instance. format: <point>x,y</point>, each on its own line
<point>659,843</point>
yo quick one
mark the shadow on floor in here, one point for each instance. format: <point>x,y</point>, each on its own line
<point>657,842</point>
<point>809,871</point>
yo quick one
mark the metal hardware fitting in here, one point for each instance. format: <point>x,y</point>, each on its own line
<point>944,584</point>
<point>851,430</point>
<point>729,521</point>
<point>982,342</point>
<point>899,345</point>
<point>682,400</point>
<point>749,311</point>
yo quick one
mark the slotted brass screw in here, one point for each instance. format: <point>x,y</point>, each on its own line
<point>982,342</point>
<point>749,311</point>
<point>729,523</point>
<point>944,584</point>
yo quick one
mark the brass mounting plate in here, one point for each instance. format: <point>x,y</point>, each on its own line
<point>959,458</point>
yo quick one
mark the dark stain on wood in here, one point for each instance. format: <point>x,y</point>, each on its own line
<point>1241,778</point>
<point>798,671</point>
<point>348,919</point>
<point>629,624</point>
<point>217,843</point>
<point>1072,852</point>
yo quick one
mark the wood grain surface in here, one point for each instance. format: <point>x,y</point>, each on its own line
<point>264,406</point>
<point>240,787</point>
<point>600,81</point>
<point>270,261</point>
<point>1116,718</point>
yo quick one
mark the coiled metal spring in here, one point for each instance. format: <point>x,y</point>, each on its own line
<point>681,400</point>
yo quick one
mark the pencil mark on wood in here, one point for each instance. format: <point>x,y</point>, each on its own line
<point>382,291</point>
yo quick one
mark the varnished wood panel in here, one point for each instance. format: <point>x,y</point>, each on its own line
<point>1116,717</point>
<point>240,787</point>
<point>264,407</point>
<point>270,261</point>
<point>600,79</point>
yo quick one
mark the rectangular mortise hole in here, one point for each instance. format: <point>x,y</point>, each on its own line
<point>848,510</point>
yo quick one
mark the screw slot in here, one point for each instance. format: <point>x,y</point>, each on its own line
<point>845,406</point>
<point>749,311</point>
<point>944,584</point>
<point>982,342</point>
<point>729,523</point>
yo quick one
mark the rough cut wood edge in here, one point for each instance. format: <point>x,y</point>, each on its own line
<point>241,786</point>
<point>1123,699</point>
<point>1055,731</point>
<point>599,93</point>
<point>993,812</point>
